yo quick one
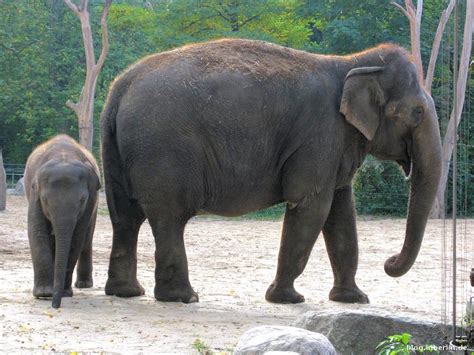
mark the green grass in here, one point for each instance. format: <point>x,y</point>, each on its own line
<point>269,214</point>
<point>103,211</point>
<point>201,347</point>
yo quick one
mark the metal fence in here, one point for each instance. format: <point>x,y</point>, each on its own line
<point>14,172</point>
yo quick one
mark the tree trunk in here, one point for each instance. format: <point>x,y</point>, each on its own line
<point>84,108</point>
<point>413,13</point>
<point>3,184</point>
<point>436,44</point>
<point>449,141</point>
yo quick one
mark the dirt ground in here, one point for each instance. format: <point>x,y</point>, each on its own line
<point>231,263</point>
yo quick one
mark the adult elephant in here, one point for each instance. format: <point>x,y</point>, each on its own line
<point>232,126</point>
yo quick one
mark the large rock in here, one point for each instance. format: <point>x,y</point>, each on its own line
<point>259,340</point>
<point>360,331</point>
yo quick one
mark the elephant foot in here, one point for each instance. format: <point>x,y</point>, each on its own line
<point>123,288</point>
<point>283,295</point>
<point>43,291</point>
<point>86,283</point>
<point>167,294</point>
<point>348,295</point>
<point>67,292</point>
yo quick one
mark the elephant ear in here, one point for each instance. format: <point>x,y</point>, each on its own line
<point>362,98</point>
<point>94,181</point>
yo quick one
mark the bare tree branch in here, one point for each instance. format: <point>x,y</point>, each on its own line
<point>436,44</point>
<point>219,13</point>
<point>85,4</point>
<point>189,25</point>
<point>419,12</point>
<point>449,141</point>
<point>401,8</point>
<point>72,6</point>
<point>410,11</point>
<point>453,124</point>
<point>105,36</point>
<point>84,108</point>
<point>223,16</point>
<point>17,52</point>
<point>243,23</point>
<point>73,106</point>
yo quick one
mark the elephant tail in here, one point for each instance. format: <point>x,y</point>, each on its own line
<point>116,186</point>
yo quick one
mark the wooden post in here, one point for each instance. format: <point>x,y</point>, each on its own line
<point>3,184</point>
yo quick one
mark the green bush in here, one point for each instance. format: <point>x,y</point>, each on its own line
<point>380,188</point>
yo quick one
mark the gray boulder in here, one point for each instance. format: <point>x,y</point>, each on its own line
<point>264,339</point>
<point>360,331</point>
<point>20,187</point>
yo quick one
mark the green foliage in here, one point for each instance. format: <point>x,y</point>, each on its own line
<point>34,82</point>
<point>272,213</point>
<point>380,189</point>
<point>394,344</point>
<point>201,347</point>
<point>42,65</point>
<point>401,344</point>
<point>348,26</point>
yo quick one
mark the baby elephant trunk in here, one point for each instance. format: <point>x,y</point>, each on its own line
<point>63,234</point>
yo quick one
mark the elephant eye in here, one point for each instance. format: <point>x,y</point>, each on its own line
<point>418,113</point>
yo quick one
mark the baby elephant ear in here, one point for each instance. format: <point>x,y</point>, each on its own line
<point>362,98</point>
<point>94,182</point>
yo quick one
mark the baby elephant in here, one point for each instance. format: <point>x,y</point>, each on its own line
<point>62,183</point>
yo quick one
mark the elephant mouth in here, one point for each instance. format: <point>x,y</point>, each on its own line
<point>405,162</point>
<point>406,166</point>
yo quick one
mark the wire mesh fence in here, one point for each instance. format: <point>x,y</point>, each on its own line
<point>13,172</point>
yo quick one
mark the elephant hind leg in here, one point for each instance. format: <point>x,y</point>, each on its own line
<point>340,236</point>
<point>127,218</point>
<point>171,273</point>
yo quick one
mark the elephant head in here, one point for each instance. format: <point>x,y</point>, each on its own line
<point>64,189</point>
<point>388,104</point>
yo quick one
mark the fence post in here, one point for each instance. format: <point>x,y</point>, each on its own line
<point>3,184</point>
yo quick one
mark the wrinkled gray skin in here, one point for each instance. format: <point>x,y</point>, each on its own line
<point>61,182</point>
<point>233,126</point>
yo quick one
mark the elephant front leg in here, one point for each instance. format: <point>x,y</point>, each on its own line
<point>41,247</point>
<point>301,228</point>
<point>340,236</point>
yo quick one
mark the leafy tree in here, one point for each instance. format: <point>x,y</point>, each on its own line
<point>42,63</point>
<point>33,59</point>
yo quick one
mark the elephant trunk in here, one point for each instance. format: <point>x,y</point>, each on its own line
<point>63,231</point>
<point>425,175</point>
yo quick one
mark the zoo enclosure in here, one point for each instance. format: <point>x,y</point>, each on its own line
<point>13,172</point>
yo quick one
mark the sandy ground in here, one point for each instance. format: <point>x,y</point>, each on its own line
<point>231,263</point>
